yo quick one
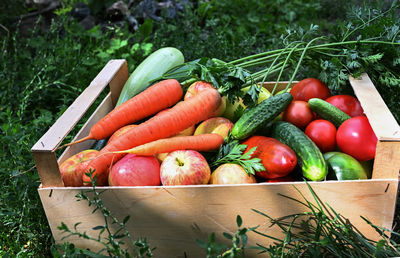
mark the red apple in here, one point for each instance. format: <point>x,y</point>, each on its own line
<point>199,86</point>
<point>231,174</point>
<point>185,167</point>
<point>72,168</point>
<point>120,131</point>
<point>134,170</point>
<point>218,125</point>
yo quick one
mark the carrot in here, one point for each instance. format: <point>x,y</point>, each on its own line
<point>166,124</point>
<point>120,132</point>
<point>157,97</point>
<point>201,142</point>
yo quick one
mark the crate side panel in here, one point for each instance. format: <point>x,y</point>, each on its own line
<point>172,218</point>
<point>387,160</point>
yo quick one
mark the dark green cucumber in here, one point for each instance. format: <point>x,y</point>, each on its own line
<point>263,113</point>
<point>328,111</point>
<point>310,158</point>
<point>344,167</point>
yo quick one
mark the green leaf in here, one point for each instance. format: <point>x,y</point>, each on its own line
<point>126,219</point>
<point>146,28</point>
<point>227,235</point>
<point>201,243</point>
<point>239,221</point>
<point>98,227</point>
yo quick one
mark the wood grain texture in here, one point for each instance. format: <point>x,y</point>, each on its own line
<point>172,218</point>
<point>47,166</point>
<point>381,119</point>
<point>387,160</point>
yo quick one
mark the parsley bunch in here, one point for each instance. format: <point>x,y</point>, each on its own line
<point>233,152</point>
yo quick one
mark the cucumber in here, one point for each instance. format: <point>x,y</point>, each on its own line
<point>153,67</point>
<point>328,111</point>
<point>259,115</point>
<point>310,158</point>
<point>342,166</point>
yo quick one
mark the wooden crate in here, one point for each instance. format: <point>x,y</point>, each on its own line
<point>173,217</point>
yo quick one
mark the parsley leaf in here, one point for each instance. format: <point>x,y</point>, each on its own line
<point>233,152</point>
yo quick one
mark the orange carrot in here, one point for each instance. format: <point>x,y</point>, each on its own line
<point>120,132</point>
<point>201,142</point>
<point>155,98</point>
<point>166,124</point>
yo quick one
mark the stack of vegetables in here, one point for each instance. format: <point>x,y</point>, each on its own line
<point>285,136</point>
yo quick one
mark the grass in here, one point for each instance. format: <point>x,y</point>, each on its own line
<point>42,73</point>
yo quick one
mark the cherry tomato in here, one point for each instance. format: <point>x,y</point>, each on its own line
<point>277,158</point>
<point>298,113</point>
<point>323,133</point>
<point>310,88</point>
<point>356,138</point>
<point>348,104</point>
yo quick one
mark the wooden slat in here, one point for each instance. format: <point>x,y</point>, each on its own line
<point>381,119</point>
<point>172,218</point>
<point>53,137</point>
<point>103,109</point>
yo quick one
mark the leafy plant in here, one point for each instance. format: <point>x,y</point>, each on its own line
<point>112,241</point>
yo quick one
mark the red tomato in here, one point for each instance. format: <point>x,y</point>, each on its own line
<point>310,88</point>
<point>323,133</point>
<point>278,158</point>
<point>348,104</point>
<point>356,138</point>
<point>298,113</point>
